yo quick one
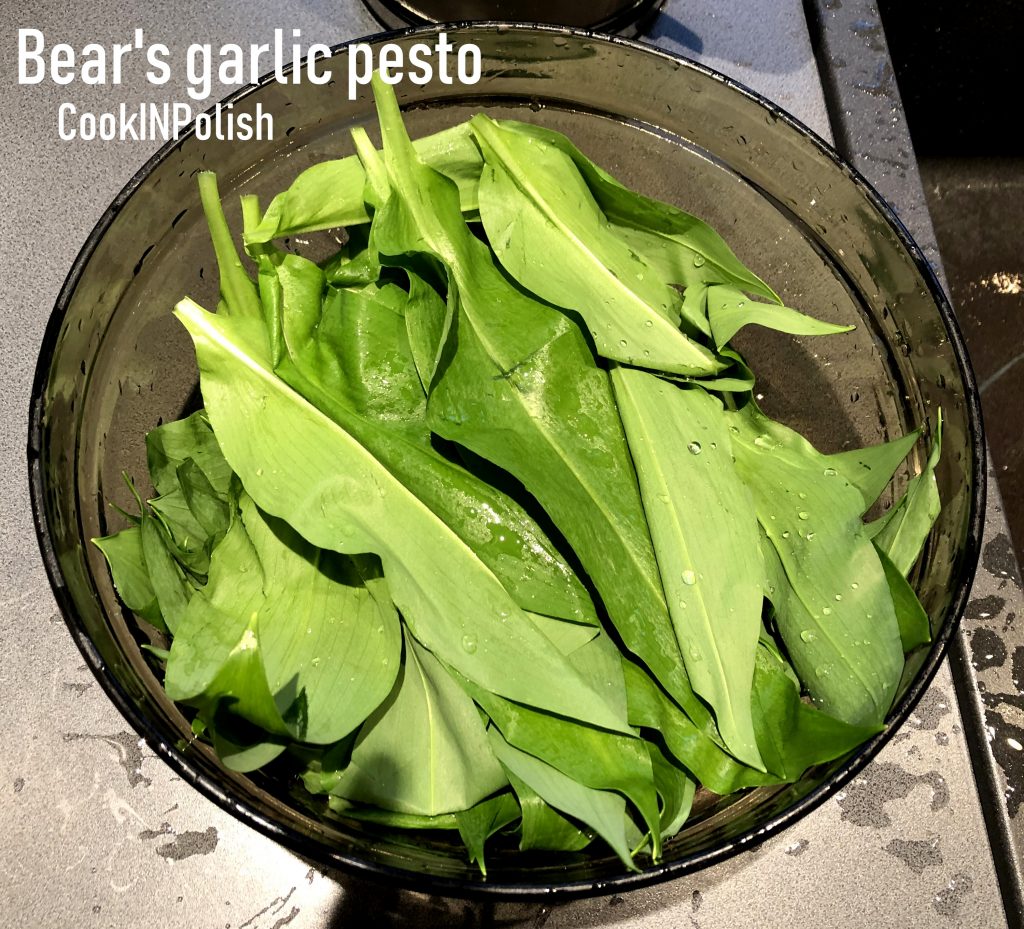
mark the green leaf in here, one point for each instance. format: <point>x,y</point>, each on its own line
<point>427,322</point>
<point>792,735</point>
<point>706,541</point>
<point>169,584</point>
<point>356,366</point>
<point>356,263</point>
<point>240,747</point>
<point>300,465</point>
<point>596,759</point>
<point>218,618</point>
<point>729,310</point>
<point>238,292</point>
<point>915,629</point>
<point>550,235</point>
<point>351,358</point>
<point>543,828</point>
<point>355,347</point>
<point>326,765</point>
<point>478,823</point>
<point>735,379</point>
<point>331,650</point>
<point>424,750</point>
<point>315,678</point>
<point>124,554</point>
<point>192,513</point>
<point>208,507</point>
<point>831,599</point>
<point>169,446</point>
<point>330,194</point>
<point>694,309</point>
<point>909,523</point>
<point>521,390</point>
<point>651,709</point>
<point>593,654</point>
<point>186,540</point>
<point>377,186</point>
<point>870,469</point>
<point>602,810</point>
<point>681,247</point>
<point>675,788</point>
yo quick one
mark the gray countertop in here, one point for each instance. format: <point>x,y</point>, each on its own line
<point>97,831</point>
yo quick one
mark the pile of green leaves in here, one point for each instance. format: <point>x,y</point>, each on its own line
<point>480,526</point>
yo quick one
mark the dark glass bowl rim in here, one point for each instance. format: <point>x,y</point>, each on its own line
<point>629,14</point>
<point>302,843</point>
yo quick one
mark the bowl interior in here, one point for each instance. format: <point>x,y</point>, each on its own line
<point>116,363</point>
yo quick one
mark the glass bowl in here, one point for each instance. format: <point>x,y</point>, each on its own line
<point>115,363</point>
